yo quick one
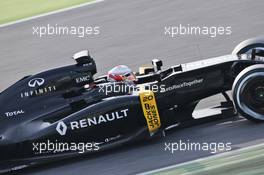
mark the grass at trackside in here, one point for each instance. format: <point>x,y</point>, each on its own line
<point>12,10</point>
<point>244,162</point>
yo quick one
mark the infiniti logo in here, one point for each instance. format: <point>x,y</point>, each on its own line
<point>36,82</point>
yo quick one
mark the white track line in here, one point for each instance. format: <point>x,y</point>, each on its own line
<point>50,13</point>
<point>201,159</point>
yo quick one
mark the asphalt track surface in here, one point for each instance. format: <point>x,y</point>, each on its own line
<point>132,33</point>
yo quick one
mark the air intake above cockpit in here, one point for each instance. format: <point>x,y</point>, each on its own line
<point>83,58</point>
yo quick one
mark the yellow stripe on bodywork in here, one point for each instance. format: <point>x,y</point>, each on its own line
<point>150,110</point>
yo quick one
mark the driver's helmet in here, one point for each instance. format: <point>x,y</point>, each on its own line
<point>121,73</point>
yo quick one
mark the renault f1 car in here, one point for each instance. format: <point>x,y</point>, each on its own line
<point>63,112</point>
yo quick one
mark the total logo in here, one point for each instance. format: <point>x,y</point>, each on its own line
<point>89,122</point>
<point>14,113</point>
<point>36,82</point>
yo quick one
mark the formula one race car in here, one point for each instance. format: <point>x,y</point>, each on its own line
<point>63,112</point>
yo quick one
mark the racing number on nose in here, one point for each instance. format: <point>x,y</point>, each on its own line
<point>150,110</point>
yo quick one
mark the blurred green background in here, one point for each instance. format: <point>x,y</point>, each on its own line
<point>12,10</point>
<point>247,161</point>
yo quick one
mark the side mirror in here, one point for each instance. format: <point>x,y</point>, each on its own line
<point>144,70</point>
<point>157,64</point>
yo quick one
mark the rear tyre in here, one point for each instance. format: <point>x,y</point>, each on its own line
<point>248,93</point>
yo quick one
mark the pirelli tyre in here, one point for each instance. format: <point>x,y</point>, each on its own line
<point>248,93</point>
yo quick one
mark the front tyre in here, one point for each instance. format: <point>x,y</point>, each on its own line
<point>248,46</point>
<point>248,93</point>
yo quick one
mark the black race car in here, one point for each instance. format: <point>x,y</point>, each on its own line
<point>64,112</point>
